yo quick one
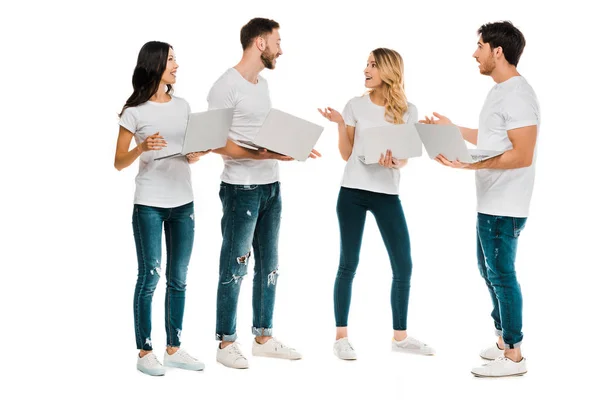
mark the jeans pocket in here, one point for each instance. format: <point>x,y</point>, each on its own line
<point>518,226</point>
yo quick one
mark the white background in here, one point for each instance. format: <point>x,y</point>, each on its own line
<point>68,257</point>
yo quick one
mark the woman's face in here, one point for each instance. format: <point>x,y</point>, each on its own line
<point>170,75</point>
<point>372,78</point>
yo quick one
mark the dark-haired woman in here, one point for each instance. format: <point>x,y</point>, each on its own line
<point>163,196</point>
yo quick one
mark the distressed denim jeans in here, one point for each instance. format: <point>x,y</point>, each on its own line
<point>251,218</point>
<point>179,234</point>
<point>497,239</point>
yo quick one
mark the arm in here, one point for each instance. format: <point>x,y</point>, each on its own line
<point>237,152</point>
<point>346,140</point>
<point>345,132</point>
<point>468,134</point>
<point>520,156</point>
<point>125,157</point>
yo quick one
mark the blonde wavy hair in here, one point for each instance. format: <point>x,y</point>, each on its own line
<point>391,69</point>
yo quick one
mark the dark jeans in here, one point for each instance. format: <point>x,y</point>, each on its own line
<point>251,218</point>
<point>352,208</point>
<point>179,233</point>
<point>496,252</point>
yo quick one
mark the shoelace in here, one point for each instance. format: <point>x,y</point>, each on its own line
<point>281,345</point>
<point>235,349</point>
<point>186,356</point>
<point>151,360</point>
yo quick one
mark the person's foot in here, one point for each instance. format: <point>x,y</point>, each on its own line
<point>412,345</point>
<point>182,359</point>
<point>491,353</point>
<point>232,357</point>
<point>343,349</point>
<point>274,348</point>
<point>150,365</point>
<point>500,367</point>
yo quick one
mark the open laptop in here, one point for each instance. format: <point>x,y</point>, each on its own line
<point>448,141</point>
<point>285,134</point>
<point>205,130</point>
<point>403,140</point>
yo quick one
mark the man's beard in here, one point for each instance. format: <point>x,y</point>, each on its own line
<point>267,58</point>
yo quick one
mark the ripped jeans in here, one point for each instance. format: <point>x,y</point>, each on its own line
<point>251,217</point>
<point>179,234</point>
<point>497,239</point>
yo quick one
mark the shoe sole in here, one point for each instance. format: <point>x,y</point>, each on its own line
<point>231,366</point>
<point>146,372</point>
<point>345,359</point>
<point>410,351</point>
<point>183,366</point>
<point>280,357</point>
<point>501,376</point>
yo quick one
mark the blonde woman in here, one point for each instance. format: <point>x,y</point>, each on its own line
<point>374,188</point>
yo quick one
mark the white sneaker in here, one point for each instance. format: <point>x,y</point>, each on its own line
<point>150,365</point>
<point>344,350</point>
<point>231,356</point>
<point>274,348</point>
<point>182,359</point>
<point>412,345</point>
<point>491,353</point>
<point>500,367</point>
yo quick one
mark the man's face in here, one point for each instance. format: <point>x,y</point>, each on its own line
<point>272,49</point>
<point>485,57</point>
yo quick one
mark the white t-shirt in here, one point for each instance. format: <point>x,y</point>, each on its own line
<point>251,103</point>
<point>164,183</point>
<point>509,105</point>
<point>362,113</point>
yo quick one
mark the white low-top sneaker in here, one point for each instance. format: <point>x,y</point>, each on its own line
<point>150,365</point>
<point>232,357</point>
<point>501,366</point>
<point>412,345</point>
<point>274,348</point>
<point>343,349</point>
<point>182,359</point>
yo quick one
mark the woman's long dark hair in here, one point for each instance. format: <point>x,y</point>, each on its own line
<point>151,64</point>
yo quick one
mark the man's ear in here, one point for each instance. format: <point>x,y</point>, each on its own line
<point>260,43</point>
<point>498,51</point>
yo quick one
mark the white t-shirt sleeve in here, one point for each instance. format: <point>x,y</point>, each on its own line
<point>519,110</point>
<point>348,115</point>
<point>413,115</point>
<point>221,95</point>
<point>129,120</point>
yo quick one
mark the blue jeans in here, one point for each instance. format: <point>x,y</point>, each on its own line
<point>179,233</point>
<point>352,208</point>
<point>496,252</point>
<point>251,218</point>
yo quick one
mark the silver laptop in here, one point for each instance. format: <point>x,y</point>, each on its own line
<point>285,134</point>
<point>206,130</point>
<point>448,141</point>
<point>403,140</point>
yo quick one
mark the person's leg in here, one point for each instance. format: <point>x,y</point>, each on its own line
<point>266,262</point>
<point>351,211</point>
<point>498,237</point>
<point>389,215</point>
<point>179,236</point>
<point>240,214</point>
<point>481,263</point>
<point>147,231</point>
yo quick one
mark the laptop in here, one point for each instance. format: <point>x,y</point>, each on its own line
<point>402,139</point>
<point>448,141</point>
<point>206,130</point>
<point>285,134</point>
